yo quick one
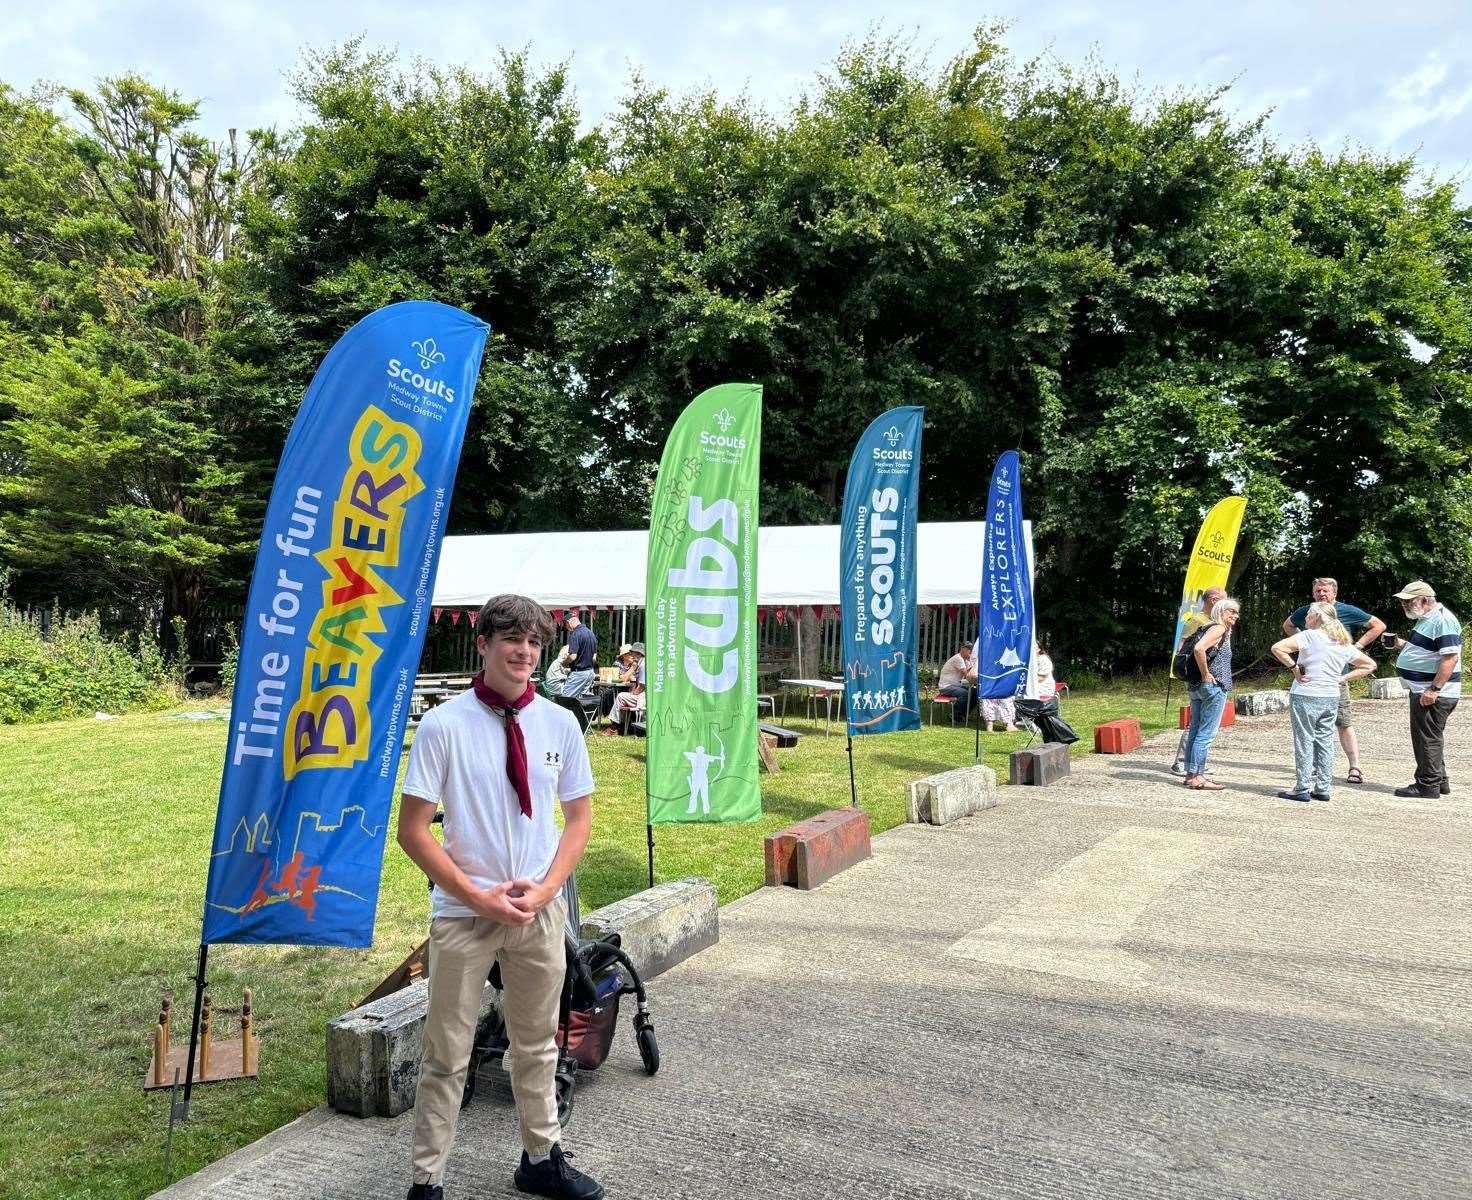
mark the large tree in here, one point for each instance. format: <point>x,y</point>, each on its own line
<point>470,189</point>
<point>1157,306</point>
<point>135,432</point>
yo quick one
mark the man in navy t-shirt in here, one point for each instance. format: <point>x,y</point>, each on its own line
<point>582,653</point>
<point>1364,628</point>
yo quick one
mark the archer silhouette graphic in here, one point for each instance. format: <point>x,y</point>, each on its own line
<point>700,763</point>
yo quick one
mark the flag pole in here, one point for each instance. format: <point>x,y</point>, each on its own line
<point>853,787</point>
<point>199,983</point>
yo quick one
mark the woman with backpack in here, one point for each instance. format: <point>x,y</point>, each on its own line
<point>1324,651</point>
<point>1209,672</point>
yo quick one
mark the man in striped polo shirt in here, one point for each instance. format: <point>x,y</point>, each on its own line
<point>1430,664</point>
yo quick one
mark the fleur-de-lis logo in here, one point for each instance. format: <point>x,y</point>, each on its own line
<point>892,435</point>
<point>725,420</point>
<point>429,353</point>
<point>1216,539</point>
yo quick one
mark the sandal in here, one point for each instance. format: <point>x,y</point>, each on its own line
<point>1354,776</point>
<point>1207,785</point>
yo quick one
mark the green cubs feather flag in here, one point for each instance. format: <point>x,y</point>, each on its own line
<point>700,603</point>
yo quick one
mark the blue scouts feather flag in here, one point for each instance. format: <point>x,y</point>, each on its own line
<point>334,626</point>
<point>1005,652</point>
<point>876,574</point>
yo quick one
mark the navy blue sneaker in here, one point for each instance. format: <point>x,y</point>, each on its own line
<point>556,1177</point>
<point>1303,797</point>
<point>426,1191</point>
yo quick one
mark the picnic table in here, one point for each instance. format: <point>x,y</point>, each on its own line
<point>826,688</point>
<point>430,691</point>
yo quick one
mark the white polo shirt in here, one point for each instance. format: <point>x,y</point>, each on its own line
<point>458,762</point>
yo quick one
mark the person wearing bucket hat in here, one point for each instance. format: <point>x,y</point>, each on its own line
<point>1430,665</point>
<point>633,699</point>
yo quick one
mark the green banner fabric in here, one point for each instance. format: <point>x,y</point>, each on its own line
<point>700,603</point>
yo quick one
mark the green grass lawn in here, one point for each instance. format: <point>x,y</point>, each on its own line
<point>106,827</point>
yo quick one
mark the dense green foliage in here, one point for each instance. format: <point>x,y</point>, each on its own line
<point>70,668</point>
<point>1150,299</point>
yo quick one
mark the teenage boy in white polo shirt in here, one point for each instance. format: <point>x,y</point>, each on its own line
<point>495,758</point>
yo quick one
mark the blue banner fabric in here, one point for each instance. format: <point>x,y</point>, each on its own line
<point>334,625</point>
<point>1006,589</point>
<point>876,572</point>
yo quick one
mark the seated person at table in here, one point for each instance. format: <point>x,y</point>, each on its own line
<point>633,699</point>
<point>624,665</point>
<point>556,675</point>
<point>995,711</point>
<point>953,682</point>
<point>628,664</point>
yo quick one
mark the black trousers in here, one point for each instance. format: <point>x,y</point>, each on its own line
<point>1428,739</point>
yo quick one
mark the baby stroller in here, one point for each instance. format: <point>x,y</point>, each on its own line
<point>599,974</point>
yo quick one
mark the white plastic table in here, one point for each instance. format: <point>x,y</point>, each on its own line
<point>827,688</point>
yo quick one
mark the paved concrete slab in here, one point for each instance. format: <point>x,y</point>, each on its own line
<point>1110,988</point>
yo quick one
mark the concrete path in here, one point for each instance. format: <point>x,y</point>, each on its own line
<point>1108,988</point>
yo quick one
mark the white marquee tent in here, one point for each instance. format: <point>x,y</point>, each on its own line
<point>796,564</point>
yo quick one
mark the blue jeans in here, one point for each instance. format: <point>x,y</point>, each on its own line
<point>1208,702</point>
<point>577,683</point>
<point>1313,741</point>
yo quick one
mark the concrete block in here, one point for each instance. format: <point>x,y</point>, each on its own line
<point>813,851</point>
<point>662,925</point>
<point>941,799</point>
<point>1229,716</point>
<point>373,1052</point>
<point>1117,737</point>
<point>1039,766</point>
<point>1389,688</point>
<point>1261,704</point>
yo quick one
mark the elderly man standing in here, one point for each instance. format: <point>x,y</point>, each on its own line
<point>582,655</point>
<point>1364,628</point>
<point>1430,664</point>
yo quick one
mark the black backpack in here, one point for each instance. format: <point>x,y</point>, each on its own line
<point>1183,666</point>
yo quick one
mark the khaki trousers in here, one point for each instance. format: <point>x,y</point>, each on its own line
<point>533,964</point>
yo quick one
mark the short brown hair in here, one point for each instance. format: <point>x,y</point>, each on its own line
<point>516,615</point>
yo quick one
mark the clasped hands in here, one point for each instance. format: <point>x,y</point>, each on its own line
<point>515,902</point>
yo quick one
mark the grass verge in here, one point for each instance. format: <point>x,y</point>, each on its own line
<point>106,830</point>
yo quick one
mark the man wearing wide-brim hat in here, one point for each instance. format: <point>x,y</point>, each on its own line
<point>633,699</point>
<point>1430,665</point>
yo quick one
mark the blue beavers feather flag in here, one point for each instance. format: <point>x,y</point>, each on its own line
<point>1005,652</point>
<point>876,574</point>
<point>334,625</point>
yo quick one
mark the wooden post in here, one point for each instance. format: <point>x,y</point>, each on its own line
<point>205,1041</point>
<point>161,1044</point>
<point>247,1032</point>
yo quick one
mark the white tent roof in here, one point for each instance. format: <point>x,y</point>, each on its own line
<point>796,564</point>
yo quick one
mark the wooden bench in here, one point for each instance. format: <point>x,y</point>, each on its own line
<point>786,738</point>
<point>812,851</point>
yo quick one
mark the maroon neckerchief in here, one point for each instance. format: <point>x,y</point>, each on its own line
<point>515,743</point>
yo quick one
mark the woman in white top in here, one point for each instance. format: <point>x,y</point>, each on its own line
<point>1042,667</point>
<point>1324,651</point>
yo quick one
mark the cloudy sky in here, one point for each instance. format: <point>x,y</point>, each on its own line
<point>1345,73</point>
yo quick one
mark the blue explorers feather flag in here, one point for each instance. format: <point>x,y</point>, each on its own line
<point>333,629</point>
<point>876,574</point>
<point>1006,589</point>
